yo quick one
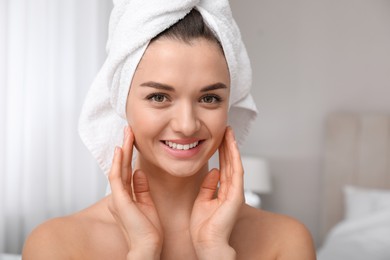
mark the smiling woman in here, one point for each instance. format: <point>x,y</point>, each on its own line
<point>188,107</point>
<point>174,110</point>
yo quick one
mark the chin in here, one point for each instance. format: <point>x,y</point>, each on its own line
<point>187,169</point>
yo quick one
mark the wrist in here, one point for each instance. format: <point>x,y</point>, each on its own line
<point>148,249</point>
<point>143,255</point>
<point>223,251</point>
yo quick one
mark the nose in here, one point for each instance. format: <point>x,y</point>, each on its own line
<point>185,120</point>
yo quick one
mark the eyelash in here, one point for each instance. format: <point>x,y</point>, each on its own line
<point>152,97</point>
<point>217,99</point>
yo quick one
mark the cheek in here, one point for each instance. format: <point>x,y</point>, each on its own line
<point>216,124</point>
<point>146,124</point>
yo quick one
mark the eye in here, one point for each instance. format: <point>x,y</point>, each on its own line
<point>210,99</point>
<point>158,97</point>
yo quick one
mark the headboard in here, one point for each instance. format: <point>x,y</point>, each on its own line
<point>357,152</point>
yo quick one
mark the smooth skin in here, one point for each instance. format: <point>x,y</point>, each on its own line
<point>168,207</point>
<point>212,218</point>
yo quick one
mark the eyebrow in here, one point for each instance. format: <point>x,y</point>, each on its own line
<point>166,87</point>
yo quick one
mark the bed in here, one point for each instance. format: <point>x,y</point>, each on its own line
<point>355,221</point>
<point>10,257</point>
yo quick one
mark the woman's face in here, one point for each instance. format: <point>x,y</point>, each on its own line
<point>178,105</point>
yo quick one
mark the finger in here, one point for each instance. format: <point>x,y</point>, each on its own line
<point>209,186</point>
<point>115,173</point>
<point>141,188</point>
<point>125,149</point>
<point>222,158</point>
<point>115,178</point>
<point>237,168</point>
<point>226,167</point>
<point>232,176</point>
<point>127,157</point>
<point>235,157</point>
<point>228,140</point>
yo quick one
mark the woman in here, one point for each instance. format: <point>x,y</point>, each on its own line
<point>169,205</point>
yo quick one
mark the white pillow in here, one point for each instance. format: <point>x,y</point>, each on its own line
<point>360,202</point>
<point>10,257</point>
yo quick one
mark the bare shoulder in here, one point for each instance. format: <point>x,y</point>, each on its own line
<point>70,237</point>
<point>54,239</point>
<point>271,236</point>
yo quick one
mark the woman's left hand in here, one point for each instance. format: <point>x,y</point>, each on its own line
<point>215,211</point>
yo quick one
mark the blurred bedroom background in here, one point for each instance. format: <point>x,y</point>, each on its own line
<point>311,60</point>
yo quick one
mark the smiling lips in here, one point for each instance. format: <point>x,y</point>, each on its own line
<point>182,149</point>
<point>177,146</point>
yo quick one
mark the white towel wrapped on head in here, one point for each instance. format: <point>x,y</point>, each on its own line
<point>133,23</point>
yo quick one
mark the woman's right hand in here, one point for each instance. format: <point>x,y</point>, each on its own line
<point>132,205</point>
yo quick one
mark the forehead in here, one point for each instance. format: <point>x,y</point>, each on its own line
<point>199,61</point>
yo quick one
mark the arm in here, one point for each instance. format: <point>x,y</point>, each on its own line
<point>213,218</point>
<point>132,206</point>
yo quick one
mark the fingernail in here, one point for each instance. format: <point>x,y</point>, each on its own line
<point>129,130</point>
<point>234,136</point>
<point>126,131</point>
<point>116,149</point>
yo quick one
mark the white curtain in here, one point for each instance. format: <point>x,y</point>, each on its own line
<point>50,51</point>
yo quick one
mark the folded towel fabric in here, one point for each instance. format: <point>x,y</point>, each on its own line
<point>133,23</point>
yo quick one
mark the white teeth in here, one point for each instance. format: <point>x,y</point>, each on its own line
<point>182,146</point>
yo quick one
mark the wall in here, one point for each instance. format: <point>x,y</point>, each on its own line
<point>310,58</point>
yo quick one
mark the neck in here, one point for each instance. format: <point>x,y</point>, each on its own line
<point>173,196</point>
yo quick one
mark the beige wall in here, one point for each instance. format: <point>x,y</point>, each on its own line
<point>310,58</point>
